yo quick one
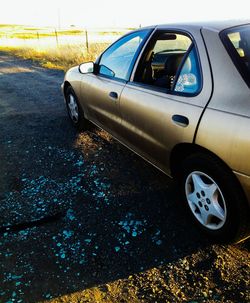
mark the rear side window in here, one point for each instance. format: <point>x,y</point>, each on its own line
<point>237,43</point>
<point>189,79</point>
<point>170,64</point>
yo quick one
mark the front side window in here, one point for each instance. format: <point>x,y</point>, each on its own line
<point>237,43</point>
<point>117,61</point>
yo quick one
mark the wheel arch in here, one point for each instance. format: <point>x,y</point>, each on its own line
<point>65,87</point>
<point>183,150</point>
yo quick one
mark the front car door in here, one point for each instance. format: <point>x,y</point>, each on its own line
<point>162,103</point>
<point>101,91</point>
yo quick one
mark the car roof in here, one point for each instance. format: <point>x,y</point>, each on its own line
<point>215,26</point>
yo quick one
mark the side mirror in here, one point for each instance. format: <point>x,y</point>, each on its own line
<point>86,68</point>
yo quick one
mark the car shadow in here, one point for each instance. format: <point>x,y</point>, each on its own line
<point>119,215</point>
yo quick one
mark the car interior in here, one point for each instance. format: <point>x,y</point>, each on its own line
<point>162,59</point>
<point>244,44</point>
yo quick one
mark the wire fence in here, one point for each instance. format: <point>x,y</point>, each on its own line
<point>55,38</point>
<point>55,48</point>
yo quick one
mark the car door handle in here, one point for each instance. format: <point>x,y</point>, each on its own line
<point>113,95</point>
<point>180,120</point>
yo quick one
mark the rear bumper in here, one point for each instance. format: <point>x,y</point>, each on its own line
<point>245,182</point>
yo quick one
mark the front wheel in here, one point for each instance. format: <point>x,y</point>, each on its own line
<point>214,198</point>
<point>75,111</point>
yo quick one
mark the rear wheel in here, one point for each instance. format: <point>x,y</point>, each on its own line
<point>74,109</point>
<point>214,198</point>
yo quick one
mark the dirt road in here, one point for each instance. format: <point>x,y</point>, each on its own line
<point>82,219</point>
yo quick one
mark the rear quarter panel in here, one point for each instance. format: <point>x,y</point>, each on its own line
<point>228,136</point>
<point>225,126</point>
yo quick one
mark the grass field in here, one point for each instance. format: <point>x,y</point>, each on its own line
<point>54,48</point>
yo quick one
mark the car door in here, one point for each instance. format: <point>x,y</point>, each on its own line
<point>162,104</point>
<point>101,91</point>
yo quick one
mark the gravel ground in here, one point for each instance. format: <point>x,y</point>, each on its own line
<point>82,219</point>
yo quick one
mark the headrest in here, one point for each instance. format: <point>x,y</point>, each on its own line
<point>172,63</point>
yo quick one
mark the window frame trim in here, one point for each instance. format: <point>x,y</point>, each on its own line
<point>160,89</point>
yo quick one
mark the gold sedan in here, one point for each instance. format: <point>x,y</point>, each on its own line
<point>179,96</point>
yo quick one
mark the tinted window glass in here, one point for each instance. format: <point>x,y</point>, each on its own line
<point>174,42</point>
<point>117,60</point>
<point>237,43</point>
<point>189,77</point>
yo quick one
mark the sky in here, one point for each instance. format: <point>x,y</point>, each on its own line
<point>117,13</point>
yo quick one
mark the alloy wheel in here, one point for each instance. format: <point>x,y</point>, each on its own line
<point>205,200</point>
<point>73,108</point>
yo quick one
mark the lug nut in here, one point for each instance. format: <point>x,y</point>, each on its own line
<point>208,201</point>
<point>206,208</point>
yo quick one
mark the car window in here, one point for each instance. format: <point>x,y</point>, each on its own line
<point>162,59</point>
<point>237,43</point>
<point>189,79</point>
<point>117,61</point>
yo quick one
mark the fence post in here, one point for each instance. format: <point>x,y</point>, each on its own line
<point>56,37</point>
<point>87,40</point>
<point>37,34</point>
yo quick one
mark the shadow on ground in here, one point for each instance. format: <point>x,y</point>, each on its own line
<point>82,210</point>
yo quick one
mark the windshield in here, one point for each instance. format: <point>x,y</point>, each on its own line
<point>237,43</point>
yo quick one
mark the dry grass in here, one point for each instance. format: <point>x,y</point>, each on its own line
<point>53,48</point>
<point>61,57</point>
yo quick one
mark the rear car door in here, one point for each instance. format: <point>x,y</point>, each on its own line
<point>101,91</point>
<point>162,103</point>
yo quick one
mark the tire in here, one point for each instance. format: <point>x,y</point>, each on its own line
<point>214,198</point>
<point>75,111</point>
